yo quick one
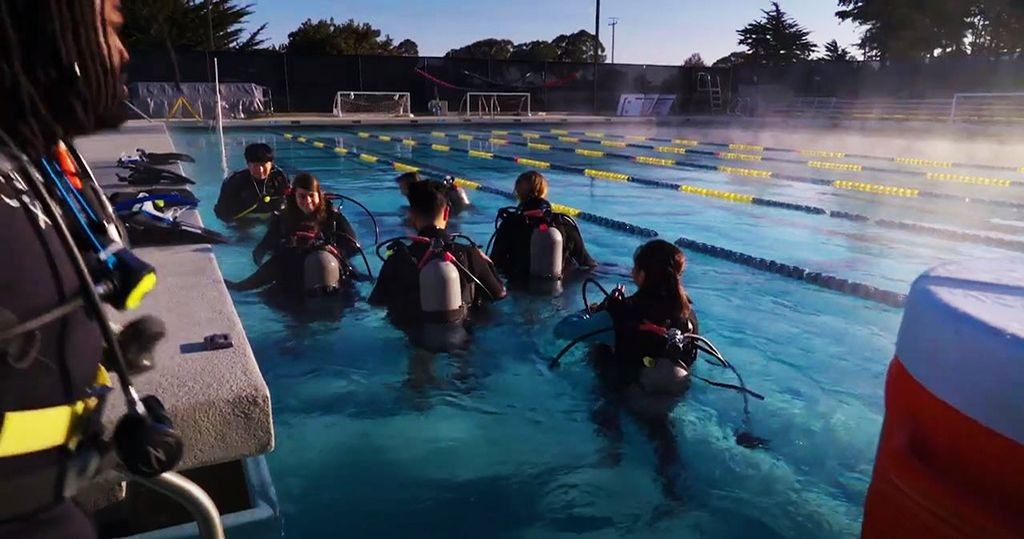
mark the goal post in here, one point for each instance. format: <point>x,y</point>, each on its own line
<point>348,102</point>
<point>987,106</point>
<point>492,104</point>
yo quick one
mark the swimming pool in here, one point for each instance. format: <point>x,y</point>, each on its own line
<point>376,439</point>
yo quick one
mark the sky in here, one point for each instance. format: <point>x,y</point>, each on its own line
<point>649,31</point>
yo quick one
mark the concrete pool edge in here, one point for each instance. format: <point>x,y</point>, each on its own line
<point>219,400</point>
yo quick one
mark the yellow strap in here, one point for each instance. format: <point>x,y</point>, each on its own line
<point>29,431</point>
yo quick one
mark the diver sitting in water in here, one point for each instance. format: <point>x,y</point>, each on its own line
<point>533,241</point>
<point>458,200</point>
<point>647,352</point>
<point>308,238</point>
<point>259,189</point>
<point>646,369</point>
<point>435,279</point>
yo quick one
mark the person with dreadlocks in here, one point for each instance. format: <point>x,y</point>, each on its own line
<point>60,77</point>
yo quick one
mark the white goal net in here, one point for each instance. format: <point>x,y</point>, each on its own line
<point>372,103</point>
<point>491,104</point>
<point>995,107</point>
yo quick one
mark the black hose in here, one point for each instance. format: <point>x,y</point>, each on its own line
<point>583,290</point>
<point>376,229</point>
<point>387,242</point>
<point>473,277</point>
<point>362,254</point>
<point>553,364</point>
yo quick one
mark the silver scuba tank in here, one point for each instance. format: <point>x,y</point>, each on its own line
<point>546,252</point>
<point>321,273</point>
<point>664,375</point>
<point>457,198</point>
<point>440,286</point>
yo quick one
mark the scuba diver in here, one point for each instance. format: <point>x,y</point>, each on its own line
<point>458,200</point>
<point>310,243</point>
<point>65,263</point>
<point>533,242</point>
<point>257,190</point>
<point>647,346</point>
<point>433,284</point>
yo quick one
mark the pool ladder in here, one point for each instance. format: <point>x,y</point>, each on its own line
<point>713,86</point>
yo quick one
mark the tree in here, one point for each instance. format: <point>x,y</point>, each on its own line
<point>776,39</point>
<point>536,51</point>
<point>328,37</point>
<point>578,47</point>
<point>493,49</point>
<point>188,24</point>
<point>733,59</point>
<point>694,61</point>
<point>912,29</point>
<point>836,53</point>
<point>996,28</point>
<point>407,47</point>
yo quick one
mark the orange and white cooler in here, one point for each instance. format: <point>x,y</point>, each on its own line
<point>950,460</point>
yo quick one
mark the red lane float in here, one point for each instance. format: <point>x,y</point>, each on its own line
<point>950,460</point>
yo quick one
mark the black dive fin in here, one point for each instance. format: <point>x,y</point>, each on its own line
<point>145,230</point>
<point>165,158</point>
<point>149,175</point>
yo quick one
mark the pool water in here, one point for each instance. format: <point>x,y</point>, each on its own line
<point>377,439</point>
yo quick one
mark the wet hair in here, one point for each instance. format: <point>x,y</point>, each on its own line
<point>663,264</point>
<point>259,153</point>
<point>409,177</point>
<point>427,199</point>
<point>56,79</point>
<point>531,184</point>
<point>293,213</point>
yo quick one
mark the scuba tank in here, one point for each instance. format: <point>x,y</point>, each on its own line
<point>546,252</point>
<point>666,374</point>
<point>440,286</point>
<point>458,200</point>
<point>321,273</point>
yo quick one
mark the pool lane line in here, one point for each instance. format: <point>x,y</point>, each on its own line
<point>872,188</point>
<point>399,166</point>
<point>824,280</point>
<point>941,233</point>
<point>734,156</point>
<point>929,163</point>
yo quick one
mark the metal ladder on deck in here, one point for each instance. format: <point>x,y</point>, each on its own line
<point>713,86</point>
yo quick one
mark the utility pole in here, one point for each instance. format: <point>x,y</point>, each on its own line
<point>613,21</point>
<point>597,46</point>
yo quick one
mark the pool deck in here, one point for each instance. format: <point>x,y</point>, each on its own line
<point>218,400</point>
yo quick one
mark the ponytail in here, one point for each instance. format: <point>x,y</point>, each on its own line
<point>663,264</point>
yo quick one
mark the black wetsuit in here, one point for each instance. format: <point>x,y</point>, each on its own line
<point>37,277</point>
<point>511,250</point>
<point>398,285</point>
<point>288,241</point>
<point>632,344</point>
<point>241,195</point>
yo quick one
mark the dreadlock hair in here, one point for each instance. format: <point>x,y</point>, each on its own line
<point>56,80</point>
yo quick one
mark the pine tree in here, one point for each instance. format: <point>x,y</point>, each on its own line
<point>835,53</point>
<point>776,39</point>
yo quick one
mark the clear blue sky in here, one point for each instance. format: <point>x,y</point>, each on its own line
<point>649,31</point>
